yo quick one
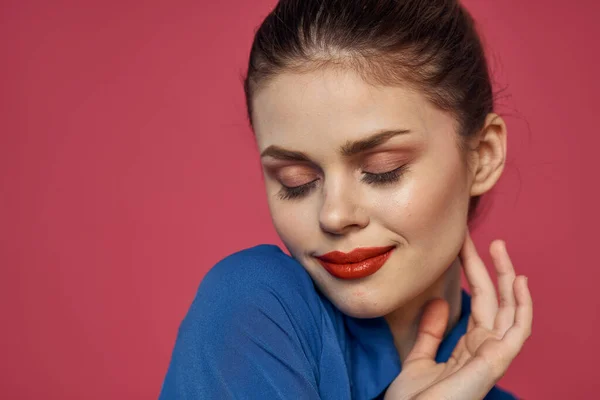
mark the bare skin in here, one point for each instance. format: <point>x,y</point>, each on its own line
<point>495,335</point>
<point>311,129</point>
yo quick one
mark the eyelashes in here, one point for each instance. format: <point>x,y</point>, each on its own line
<point>381,179</point>
<point>287,193</point>
<point>384,178</point>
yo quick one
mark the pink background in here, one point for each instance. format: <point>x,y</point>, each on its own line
<point>127,170</point>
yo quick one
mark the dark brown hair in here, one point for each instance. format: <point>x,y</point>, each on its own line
<point>430,45</point>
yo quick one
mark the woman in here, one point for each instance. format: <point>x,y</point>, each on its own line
<point>375,124</point>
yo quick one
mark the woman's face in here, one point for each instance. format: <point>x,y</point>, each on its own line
<point>349,165</point>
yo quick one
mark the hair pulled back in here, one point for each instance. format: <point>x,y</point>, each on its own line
<point>431,46</point>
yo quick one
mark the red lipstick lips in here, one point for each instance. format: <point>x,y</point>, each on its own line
<point>359,263</point>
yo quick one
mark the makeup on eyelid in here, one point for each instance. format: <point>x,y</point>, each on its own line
<point>384,162</point>
<point>376,167</point>
<point>293,176</point>
<point>411,189</point>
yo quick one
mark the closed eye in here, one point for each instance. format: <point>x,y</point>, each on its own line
<point>288,193</point>
<point>384,178</point>
<point>381,179</point>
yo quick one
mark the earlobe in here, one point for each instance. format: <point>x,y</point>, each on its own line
<point>490,155</point>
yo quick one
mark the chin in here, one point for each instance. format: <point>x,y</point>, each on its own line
<point>359,305</point>
<point>364,312</point>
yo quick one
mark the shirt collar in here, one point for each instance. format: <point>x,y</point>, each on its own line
<point>374,360</point>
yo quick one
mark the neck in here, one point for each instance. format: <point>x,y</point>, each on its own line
<point>404,321</point>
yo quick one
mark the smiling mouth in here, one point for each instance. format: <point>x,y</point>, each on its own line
<point>357,264</point>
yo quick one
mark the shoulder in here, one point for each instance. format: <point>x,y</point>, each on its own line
<point>258,267</point>
<point>254,327</point>
<point>255,291</point>
<point>258,276</point>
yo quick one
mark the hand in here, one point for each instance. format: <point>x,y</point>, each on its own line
<point>495,334</point>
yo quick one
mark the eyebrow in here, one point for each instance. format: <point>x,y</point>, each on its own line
<point>349,149</point>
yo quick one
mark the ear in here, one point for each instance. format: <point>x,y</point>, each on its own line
<point>488,155</point>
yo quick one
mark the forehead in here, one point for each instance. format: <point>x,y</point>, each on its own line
<point>330,106</point>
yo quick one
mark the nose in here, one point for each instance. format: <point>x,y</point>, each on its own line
<point>341,211</point>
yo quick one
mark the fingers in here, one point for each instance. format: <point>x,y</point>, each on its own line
<point>471,381</point>
<point>481,357</point>
<point>506,280</point>
<point>493,356</point>
<point>431,330</point>
<point>484,303</point>
<point>518,333</point>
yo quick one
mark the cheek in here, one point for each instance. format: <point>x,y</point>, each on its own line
<point>294,223</point>
<point>429,205</point>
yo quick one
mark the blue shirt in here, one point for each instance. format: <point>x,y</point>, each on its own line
<point>259,329</point>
